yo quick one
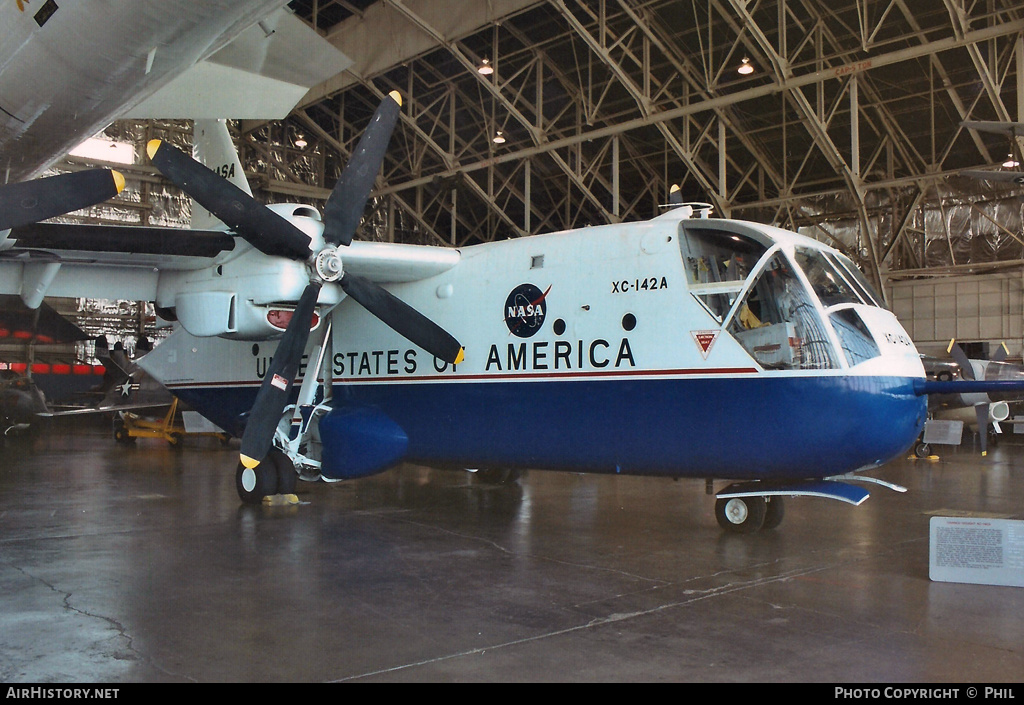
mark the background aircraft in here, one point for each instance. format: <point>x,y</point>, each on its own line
<point>982,411</point>
<point>1013,130</point>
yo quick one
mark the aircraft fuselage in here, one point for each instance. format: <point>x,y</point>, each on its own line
<point>677,347</point>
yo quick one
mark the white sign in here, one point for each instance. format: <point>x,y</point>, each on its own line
<point>976,550</point>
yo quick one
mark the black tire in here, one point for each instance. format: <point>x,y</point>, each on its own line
<point>773,513</point>
<point>121,434</point>
<point>740,515</point>
<point>255,484</point>
<point>922,450</point>
<point>286,475</point>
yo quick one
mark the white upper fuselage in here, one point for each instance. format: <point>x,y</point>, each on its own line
<point>606,301</point>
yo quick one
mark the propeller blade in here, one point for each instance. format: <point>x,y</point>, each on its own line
<point>982,412</point>
<point>33,201</point>
<point>261,227</point>
<point>345,206</point>
<point>966,368</point>
<point>273,395</point>
<point>1000,354</point>
<point>403,318</point>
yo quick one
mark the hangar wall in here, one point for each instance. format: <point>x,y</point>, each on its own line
<point>986,308</point>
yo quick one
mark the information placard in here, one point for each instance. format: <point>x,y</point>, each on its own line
<point>976,550</point>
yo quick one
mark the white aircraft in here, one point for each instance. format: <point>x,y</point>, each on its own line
<point>683,346</point>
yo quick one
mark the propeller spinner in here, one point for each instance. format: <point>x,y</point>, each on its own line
<point>273,235</point>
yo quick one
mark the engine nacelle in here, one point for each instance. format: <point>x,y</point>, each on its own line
<point>997,412</point>
<point>221,313</point>
<point>359,442</point>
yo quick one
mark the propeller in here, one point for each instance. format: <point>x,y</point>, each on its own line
<point>277,383</point>
<point>273,235</point>
<point>33,201</point>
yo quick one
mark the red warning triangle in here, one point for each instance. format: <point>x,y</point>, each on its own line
<point>705,339</point>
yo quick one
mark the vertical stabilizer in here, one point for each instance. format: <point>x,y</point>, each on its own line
<point>212,146</point>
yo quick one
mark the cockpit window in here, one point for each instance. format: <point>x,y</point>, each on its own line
<point>778,323</point>
<point>829,284</point>
<point>835,279</point>
<point>859,281</point>
<point>854,337</point>
<point>717,265</point>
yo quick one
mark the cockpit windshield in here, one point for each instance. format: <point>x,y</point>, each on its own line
<point>834,280</point>
<point>754,290</point>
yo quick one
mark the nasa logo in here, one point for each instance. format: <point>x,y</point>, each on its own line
<point>525,310</point>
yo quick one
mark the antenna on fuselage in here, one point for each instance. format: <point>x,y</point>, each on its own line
<point>675,200</point>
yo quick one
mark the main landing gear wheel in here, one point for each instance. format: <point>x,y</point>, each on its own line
<point>741,515</point>
<point>275,475</point>
<point>253,484</point>
<point>286,475</point>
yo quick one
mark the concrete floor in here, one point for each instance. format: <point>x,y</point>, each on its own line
<point>128,565</point>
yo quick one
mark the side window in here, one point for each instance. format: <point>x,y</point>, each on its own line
<point>778,324</point>
<point>717,265</point>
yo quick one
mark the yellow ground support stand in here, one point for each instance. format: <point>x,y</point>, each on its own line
<point>129,426</point>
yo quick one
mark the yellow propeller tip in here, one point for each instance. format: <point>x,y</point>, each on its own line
<point>675,187</point>
<point>396,96</point>
<point>461,356</point>
<point>248,462</point>
<point>118,180</point>
<point>152,146</point>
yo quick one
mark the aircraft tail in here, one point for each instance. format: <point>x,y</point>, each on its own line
<point>115,364</point>
<point>212,146</point>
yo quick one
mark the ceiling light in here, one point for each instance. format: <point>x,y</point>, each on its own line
<point>485,68</point>
<point>745,67</point>
<point>300,142</point>
<point>1010,162</point>
<point>499,138</point>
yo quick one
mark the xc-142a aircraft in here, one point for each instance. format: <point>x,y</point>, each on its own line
<point>684,346</point>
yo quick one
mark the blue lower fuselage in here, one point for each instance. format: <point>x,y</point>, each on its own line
<point>746,427</point>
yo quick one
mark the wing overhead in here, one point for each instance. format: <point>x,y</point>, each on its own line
<point>262,74</point>
<point>117,244</point>
<point>101,261</point>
